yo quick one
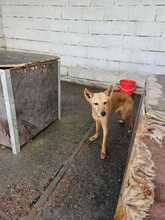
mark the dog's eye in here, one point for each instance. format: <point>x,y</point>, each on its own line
<point>105,103</point>
<point>95,103</point>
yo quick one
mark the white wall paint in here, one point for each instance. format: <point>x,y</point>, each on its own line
<point>96,39</point>
<point>2,39</point>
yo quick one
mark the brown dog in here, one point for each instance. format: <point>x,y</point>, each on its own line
<point>103,105</point>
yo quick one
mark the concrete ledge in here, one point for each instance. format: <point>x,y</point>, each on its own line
<point>100,78</point>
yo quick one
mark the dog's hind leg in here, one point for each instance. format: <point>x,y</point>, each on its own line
<point>120,120</point>
<point>128,118</point>
<point>96,135</point>
<point>130,124</point>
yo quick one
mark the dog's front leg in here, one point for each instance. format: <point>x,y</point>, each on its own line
<point>104,150</point>
<point>96,135</point>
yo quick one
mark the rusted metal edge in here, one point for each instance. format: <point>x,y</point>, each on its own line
<point>25,65</point>
<point>11,65</point>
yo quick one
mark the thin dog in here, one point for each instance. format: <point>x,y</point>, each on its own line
<point>103,105</point>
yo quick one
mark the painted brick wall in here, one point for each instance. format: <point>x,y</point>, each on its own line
<point>2,39</point>
<point>94,38</point>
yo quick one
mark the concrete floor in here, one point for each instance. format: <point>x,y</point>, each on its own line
<point>23,179</point>
<point>90,187</point>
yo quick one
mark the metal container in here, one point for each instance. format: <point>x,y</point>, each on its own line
<point>29,96</point>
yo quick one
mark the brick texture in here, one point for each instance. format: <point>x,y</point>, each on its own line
<point>2,38</point>
<point>120,36</point>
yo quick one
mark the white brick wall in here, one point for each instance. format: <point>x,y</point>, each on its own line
<point>108,36</point>
<point>2,39</point>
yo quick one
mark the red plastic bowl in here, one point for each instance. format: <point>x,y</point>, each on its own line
<point>127,86</point>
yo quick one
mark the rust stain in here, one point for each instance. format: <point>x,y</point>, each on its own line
<point>146,191</point>
<point>4,127</point>
<point>121,213</point>
<point>8,66</point>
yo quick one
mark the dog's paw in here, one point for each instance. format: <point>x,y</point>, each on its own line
<point>129,131</point>
<point>121,121</point>
<point>103,156</point>
<point>93,138</point>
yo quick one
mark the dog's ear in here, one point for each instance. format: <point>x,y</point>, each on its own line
<point>109,91</point>
<point>88,95</point>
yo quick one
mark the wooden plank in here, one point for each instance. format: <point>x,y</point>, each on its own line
<point>10,110</point>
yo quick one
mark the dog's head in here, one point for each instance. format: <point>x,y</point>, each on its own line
<point>99,101</point>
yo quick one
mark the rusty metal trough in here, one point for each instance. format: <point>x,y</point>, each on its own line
<point>29,96</point>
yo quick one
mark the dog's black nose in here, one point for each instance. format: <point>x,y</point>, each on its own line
<point>103,113</point>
